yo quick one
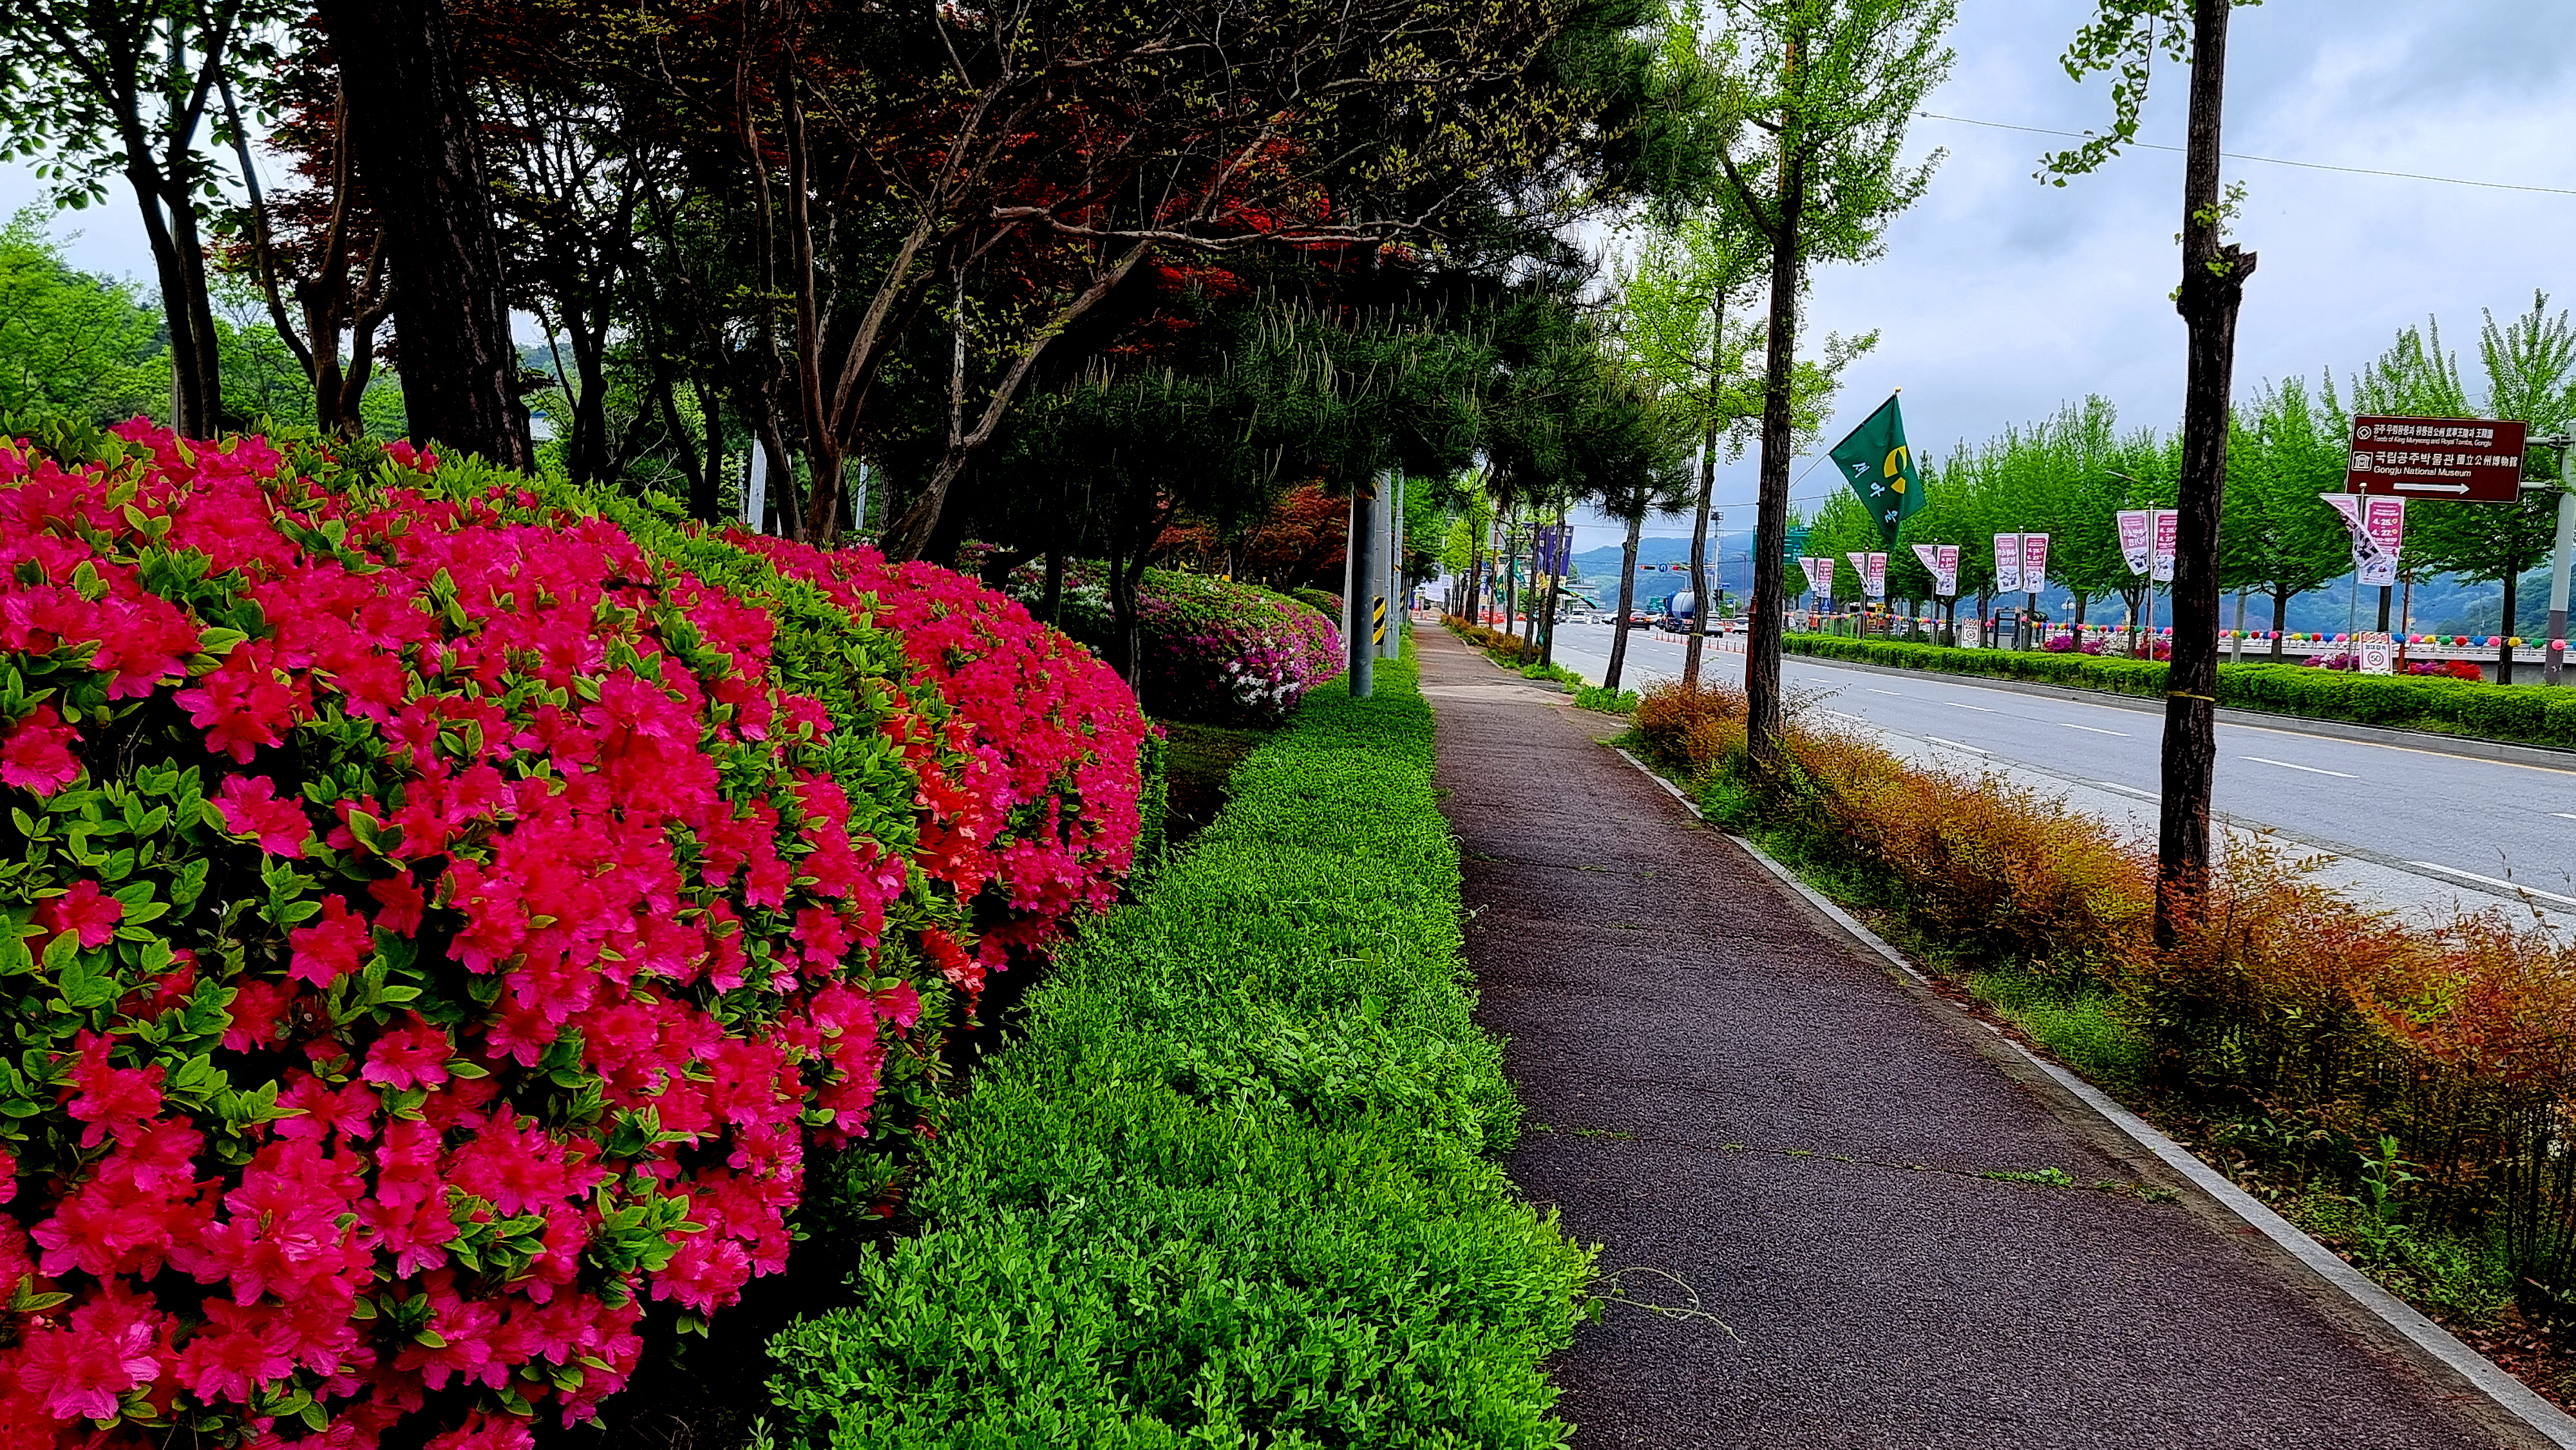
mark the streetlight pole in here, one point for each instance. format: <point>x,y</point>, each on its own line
<point>2553,670</point>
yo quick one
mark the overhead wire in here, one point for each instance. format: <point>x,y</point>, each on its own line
<point>2266,160</point>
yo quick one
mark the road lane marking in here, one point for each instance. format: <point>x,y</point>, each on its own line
<point>2286,765</point>
<point>1980,709</point>
<point>2144,795</point>
<point>2096,729</point>
<point>2494,881</point>
<point>1954,744</point>
<point>2569,815</point>
<point>1877,691</point>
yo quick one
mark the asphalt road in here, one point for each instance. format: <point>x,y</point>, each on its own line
<point>2480,825</point>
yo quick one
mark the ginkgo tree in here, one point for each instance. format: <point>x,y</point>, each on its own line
<point>2124,37</point>
<point>1811,101</point>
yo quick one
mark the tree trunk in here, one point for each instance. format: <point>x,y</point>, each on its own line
<point>2280,624</point>
<point>1627,602</point>
<point>707,505</point>
<point>2504,635</point>
<point>1779,446</point>
<point>2213,284</point>
<point>1699,559</point>
<point>586,452</point>
<point>412,134</point>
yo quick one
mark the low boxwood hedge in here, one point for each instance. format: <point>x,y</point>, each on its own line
<point>1236,1186</point>
<point>2527,714</point>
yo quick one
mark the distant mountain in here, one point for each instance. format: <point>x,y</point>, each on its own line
<point>1668,560</point>
<point>2443,604</point>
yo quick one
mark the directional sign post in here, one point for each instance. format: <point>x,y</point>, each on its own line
<point>2456,460</point>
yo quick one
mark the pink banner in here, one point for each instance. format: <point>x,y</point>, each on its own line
<point>1946,572</point>
<point>2168,538</point>
<point>2034,563</point>
<point>2377,526</point>
<point>1876,575</point>
<point>2007,563</point>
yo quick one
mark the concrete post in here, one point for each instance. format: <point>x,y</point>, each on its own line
<point>1360,599</point>
<point>1392,644</point>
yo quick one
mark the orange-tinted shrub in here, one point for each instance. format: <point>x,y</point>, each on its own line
<point>1509,648</point>
<point>1997,873</point>
<point>1691,729</point>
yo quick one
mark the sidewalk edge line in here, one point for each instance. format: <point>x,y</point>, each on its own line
<point>2507,1393</point>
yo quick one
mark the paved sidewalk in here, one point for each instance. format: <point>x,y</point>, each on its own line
<point>1720,1088</point>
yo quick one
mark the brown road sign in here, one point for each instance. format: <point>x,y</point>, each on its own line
<point>2451,460</point>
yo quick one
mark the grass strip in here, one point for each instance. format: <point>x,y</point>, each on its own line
<point>2521,714</point>
<point>1236,1186</point>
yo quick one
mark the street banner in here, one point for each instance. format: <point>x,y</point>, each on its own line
<point>2377,651</point>
<point>2377,527</point>
<point>1874,577</point>
<point>2459,460</point>
<point>2137,538</point>
<point>1820,576</point>
<point>1556,548</point>
<point>2007,563</point>
<point>1860,566</point>
<point>1941,561</point>
<point>2034,563</point>
<point>1880,468</point>
<point>2168,538</point>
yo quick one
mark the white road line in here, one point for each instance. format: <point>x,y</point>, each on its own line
<point>1873,689</point>
<point>1980,709</point>
<point>2493,881</point>
<point>2286,765</point>
<point>2144,795</point>
<point>2569,815</point>
<point>1954,744</point>
<point>2096,729</point>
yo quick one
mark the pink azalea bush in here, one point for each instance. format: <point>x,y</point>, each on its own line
<point>1045,823</point>
<point>440,927</point>
<point>1212,649</point>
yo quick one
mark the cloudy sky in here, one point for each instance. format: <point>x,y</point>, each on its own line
<point>1999,297</point>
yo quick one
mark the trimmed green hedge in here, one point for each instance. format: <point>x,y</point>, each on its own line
<point>1236,1186</point>
<point>2530,714</point>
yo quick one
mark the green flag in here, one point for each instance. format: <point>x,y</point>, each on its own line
<point>1880,468</point>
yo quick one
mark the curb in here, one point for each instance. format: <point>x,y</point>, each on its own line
<point>2475,1371</point>
<point>2545,757</point>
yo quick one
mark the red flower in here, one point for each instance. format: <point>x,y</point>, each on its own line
<point>410,1056</point>
<point>112,1345</point>
<point>236,1352</point>
<point>401,904</point>
<point>82,908</point>
<point>250,807</point>
<point>331,948</point>
<point>38,753</point>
